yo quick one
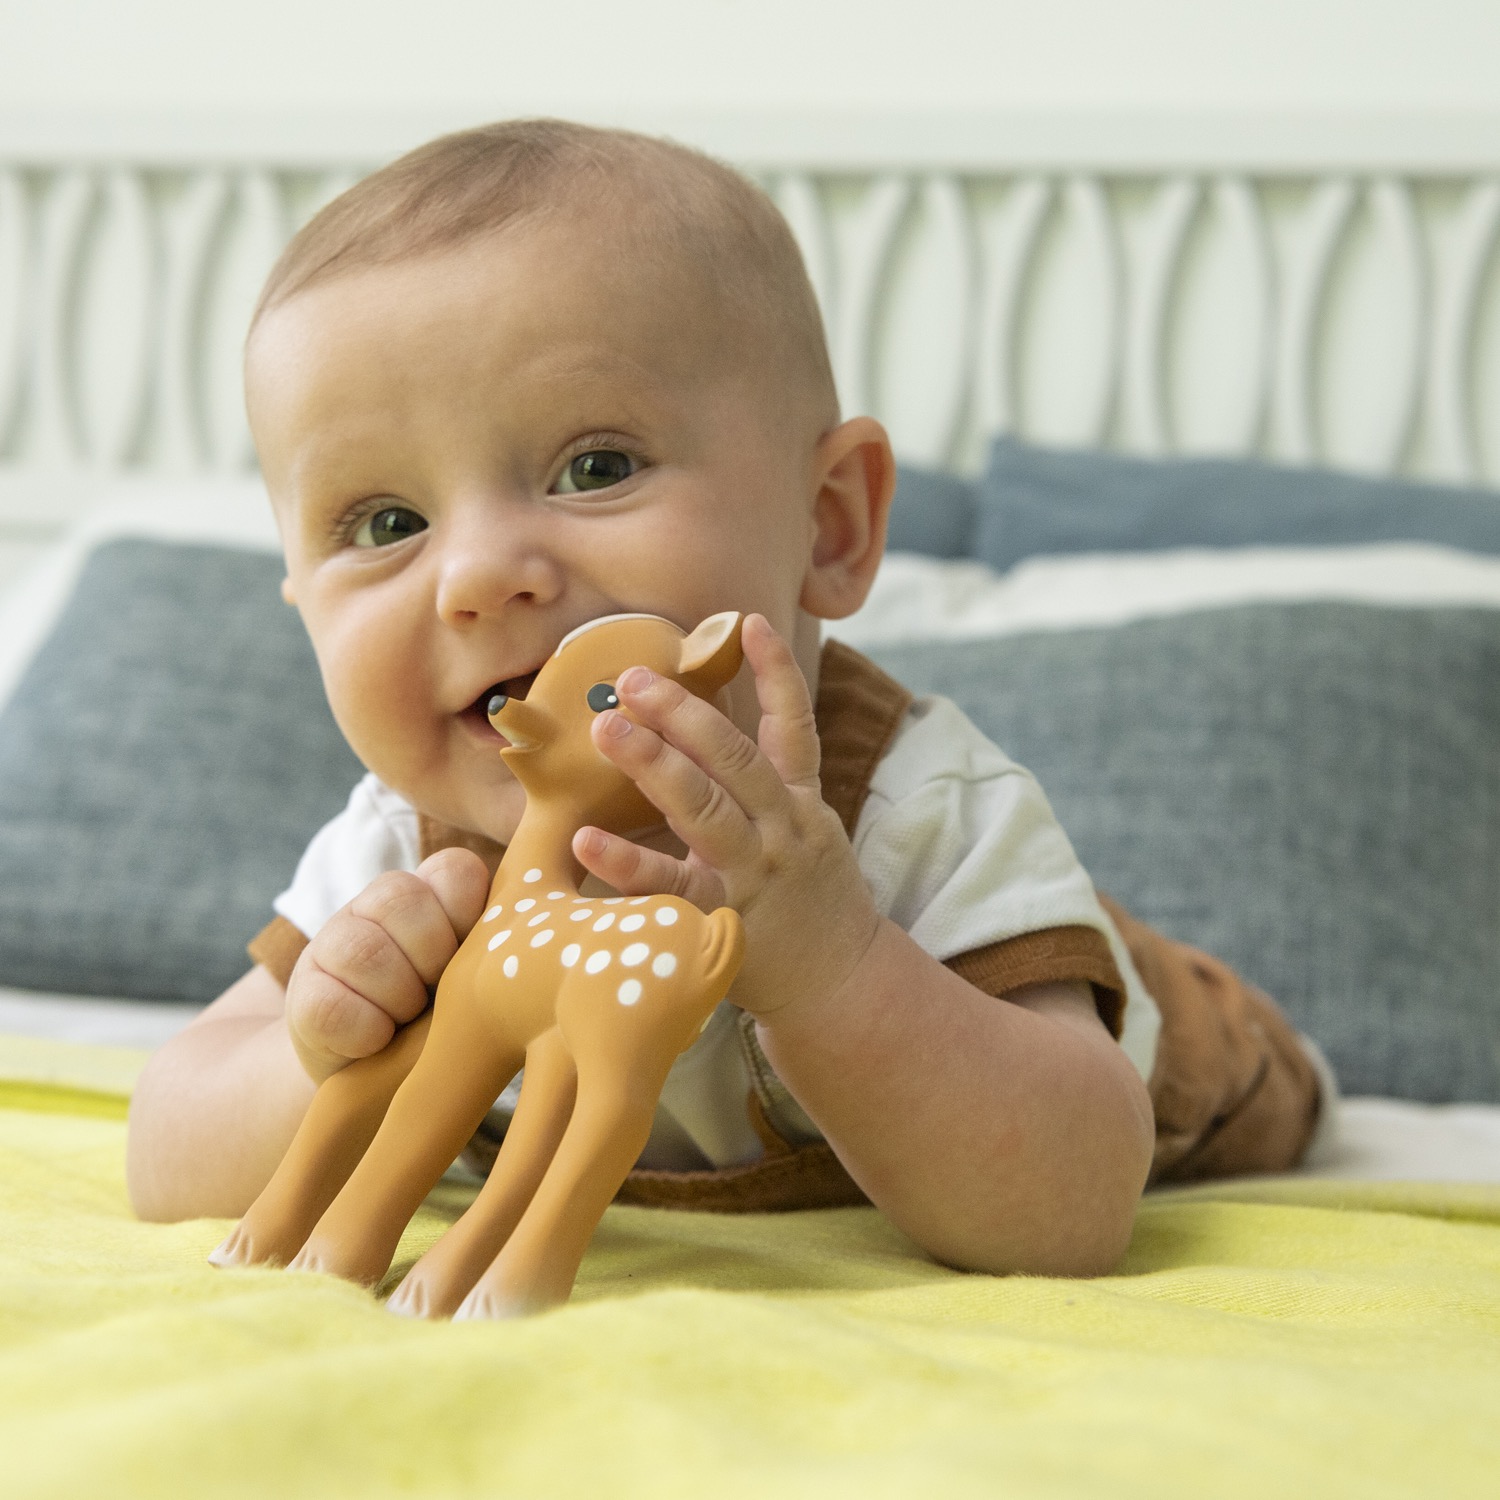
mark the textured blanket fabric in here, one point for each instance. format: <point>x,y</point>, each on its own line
<point>1262,1339</point>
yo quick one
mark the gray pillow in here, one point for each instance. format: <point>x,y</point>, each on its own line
<point>1041,500</point>
<point>932,513</point>
<point>163,764</point>
<point>1310,791</point>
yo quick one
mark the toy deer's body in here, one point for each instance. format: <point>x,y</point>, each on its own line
<point>594,997</point>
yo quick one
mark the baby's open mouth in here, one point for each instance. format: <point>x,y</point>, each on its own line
<point>477,714</point>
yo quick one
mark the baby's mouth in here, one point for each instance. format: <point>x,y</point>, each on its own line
<point>477,715</point>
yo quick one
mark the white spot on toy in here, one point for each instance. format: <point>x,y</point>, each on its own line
<point>666,915</point>
<point>542,938</point>
<point>640,900</point>
<point>569,955</point>
<point>539,918</point>
<point>556,895</point>
<point>532,876</point>
<point>613,900</point>
<point>499,938</point>
<point>630,924</point>
<point>584,915</point>
<point>492,913</point>
<point>636,953</point>
<point>525,905</point>
<point>630,992</point>
<point>664,965</point>
<point>598,962</point>
<point>607,920</point>
<point>511,965</point>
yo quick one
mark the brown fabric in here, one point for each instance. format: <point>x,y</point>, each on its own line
<point>786,1177</point>
<point>1232,1090</point>
<point>1055,953</point>
<point>433,836</point>
<point>859,710</point>
<point>276,948</point>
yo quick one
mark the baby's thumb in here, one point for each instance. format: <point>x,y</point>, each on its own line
<point>461,882</point>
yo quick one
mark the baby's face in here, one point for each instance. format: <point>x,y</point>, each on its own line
<point>472,454</point>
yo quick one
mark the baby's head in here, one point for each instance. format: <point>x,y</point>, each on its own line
<point>527,376</point>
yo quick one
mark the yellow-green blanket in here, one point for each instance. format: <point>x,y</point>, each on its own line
<point>1261,1340</point>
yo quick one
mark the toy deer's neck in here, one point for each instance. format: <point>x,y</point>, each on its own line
<point>541,852</point>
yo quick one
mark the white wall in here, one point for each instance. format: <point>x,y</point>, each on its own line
<point>477,58</point>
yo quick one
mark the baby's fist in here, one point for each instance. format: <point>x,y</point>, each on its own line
<point>372,966</point>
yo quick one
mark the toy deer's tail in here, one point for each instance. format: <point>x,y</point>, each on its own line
<point>723,948</point>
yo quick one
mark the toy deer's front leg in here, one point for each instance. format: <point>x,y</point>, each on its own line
<point>440,1281</point>
<point>430,1120</point>
<point>340,1123</point>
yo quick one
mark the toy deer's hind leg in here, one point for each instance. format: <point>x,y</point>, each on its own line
<point>435,1286</point>
<point>340,1123</point>
<point>435,1112</point>
<point>539,1263</point>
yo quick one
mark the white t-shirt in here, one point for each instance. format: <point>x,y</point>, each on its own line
<point>958,844</point>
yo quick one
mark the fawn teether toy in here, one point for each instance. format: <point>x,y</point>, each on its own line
<point>595,997</point>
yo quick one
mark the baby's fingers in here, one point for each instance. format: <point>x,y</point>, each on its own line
<point>330,1022</point>
<point>634,871</point>
<point>788,735</point>
<point>461,884</point>
<point>419,933</point>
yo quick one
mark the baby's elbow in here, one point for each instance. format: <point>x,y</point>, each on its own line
<point>1067,1247</point>
<point>1075,1216</point>
<point>146,1185</point>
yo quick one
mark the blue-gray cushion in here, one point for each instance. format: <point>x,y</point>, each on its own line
<point>1035,501</point>
<point>163,763</point>
<point>932,513</point>
<point>1310,791</point>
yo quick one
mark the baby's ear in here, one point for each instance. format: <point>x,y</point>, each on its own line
<point>712,654</point>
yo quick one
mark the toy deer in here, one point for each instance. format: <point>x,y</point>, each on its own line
<point>595,997</point>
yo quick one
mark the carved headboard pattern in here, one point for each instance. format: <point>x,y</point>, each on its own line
<point>1345,317</point>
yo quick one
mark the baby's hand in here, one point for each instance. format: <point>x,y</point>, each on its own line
<point>371,966</point>
<point>760,838</point>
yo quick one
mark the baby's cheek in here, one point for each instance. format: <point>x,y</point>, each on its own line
<point>378,701</point>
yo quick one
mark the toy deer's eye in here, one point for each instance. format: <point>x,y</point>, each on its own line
<point>601,696</point>
<point>597,469</point>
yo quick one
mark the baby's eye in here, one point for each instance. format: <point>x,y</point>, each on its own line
<point>393,524</point>
<point>595,470</point>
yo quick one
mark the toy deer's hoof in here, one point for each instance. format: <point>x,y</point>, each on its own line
<point>228,1252</point>
<point>241,1249</point>
<point>410,1300</point>
<point>310,1259</point>
<point>486,1303</point>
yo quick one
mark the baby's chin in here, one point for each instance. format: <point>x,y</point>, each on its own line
<point>483,798</point>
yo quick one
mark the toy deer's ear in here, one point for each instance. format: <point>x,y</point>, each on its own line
<point>712,654</point>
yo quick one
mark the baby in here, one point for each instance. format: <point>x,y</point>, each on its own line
<point>537,373</point>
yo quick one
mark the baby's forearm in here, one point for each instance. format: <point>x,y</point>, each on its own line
<point>999,1138</point>
<point>216,1108</point>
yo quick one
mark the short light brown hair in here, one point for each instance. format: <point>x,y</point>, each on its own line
<point>689,212</point>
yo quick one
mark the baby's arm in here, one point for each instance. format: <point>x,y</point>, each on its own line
<point>1002,1137</point>
<point>217,1106</point>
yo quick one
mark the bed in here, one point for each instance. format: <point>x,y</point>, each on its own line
<point>1198,516</point>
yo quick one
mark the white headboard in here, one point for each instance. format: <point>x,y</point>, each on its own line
<point>1324,290</point>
